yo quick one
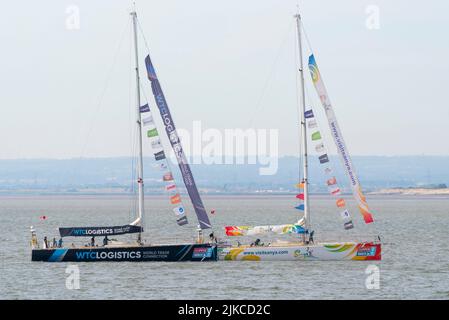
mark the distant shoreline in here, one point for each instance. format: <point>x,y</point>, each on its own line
<point>413,192</point>
<point>384,193</point>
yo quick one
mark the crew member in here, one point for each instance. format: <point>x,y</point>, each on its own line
<point>45,244</point>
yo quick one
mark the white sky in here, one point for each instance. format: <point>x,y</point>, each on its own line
<point>214,59</point>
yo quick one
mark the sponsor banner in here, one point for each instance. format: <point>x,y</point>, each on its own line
<point>175,142</point>
<point>312,124</point>
<point>152,133</point>
<point>159,156</point>
<point>320,148</point>
<point>339,142</point>
<point>316,136</point>
<point>182,221</point>
<point>98,231</point>
<point>331,181</point>
<point>175,199</point>
<point>199,253</point>
<point>233,231</point>
<point>144,108</point>
<point>182,252</point>
<point>147,121</point>
<point>308,114</point>
<point>341,203</point>
<point>323,158</point>
<point>167,177</point>
<point>179,210</point>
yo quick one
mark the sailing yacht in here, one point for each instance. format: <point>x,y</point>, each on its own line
<point>304,247</point>
<point>138,250</point>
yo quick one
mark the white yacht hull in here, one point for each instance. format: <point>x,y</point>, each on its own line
<point>301,252</point>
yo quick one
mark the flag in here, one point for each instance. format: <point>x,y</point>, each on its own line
<point>170,187</point>
<point>159,155</point>
<point>300,185</point>
<point>335,191</point>
<point>179,210</point>
<point>298,229</point>
<point>175,199</point>
<point>316,136</point>
<point>348,225</point>
<point>43,217</point>
<point>182,221</point>
<point>323,158</point>
<point>167,177</point>
<point>345,214</point>
<point>144,108</point>
<point>319,148</point>
<point>156,144</point>
<point>300,196</point>
<point>152,133</point>
<point>163,166</point>
<point>308,114</point>
<point>148,120</point>
<point>312,124</point>
<point>331,181</point>
<point>341,203</point>
<point>300,207</point>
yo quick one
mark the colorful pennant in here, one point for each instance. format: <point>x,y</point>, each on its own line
<point>308,114</point>
<point>152,133</point>
<point>175,199</point>
<point>144,108</point>
<point>300,196</point>
<point>316,136</point>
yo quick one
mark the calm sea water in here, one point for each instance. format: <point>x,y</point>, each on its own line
<point>415,257</point>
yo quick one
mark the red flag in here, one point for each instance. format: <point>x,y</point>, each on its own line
<point>335,191</point>
<point>331,181</point>
<point>341,203</point>
<point>175,199</point>
<point>300,196</point>
<point>167,177</point>
<point>170,187</point>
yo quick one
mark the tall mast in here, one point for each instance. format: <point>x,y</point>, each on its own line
<point>139,126</point>
<point>303,127</point>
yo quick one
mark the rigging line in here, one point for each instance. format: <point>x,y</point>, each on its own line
<point>306,36</point>
<point>103,92</point>
<point>270,74</point>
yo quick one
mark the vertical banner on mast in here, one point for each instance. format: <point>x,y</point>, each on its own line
<point>339,142</point>
<point>159,155</point>
<point>175,142</point>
